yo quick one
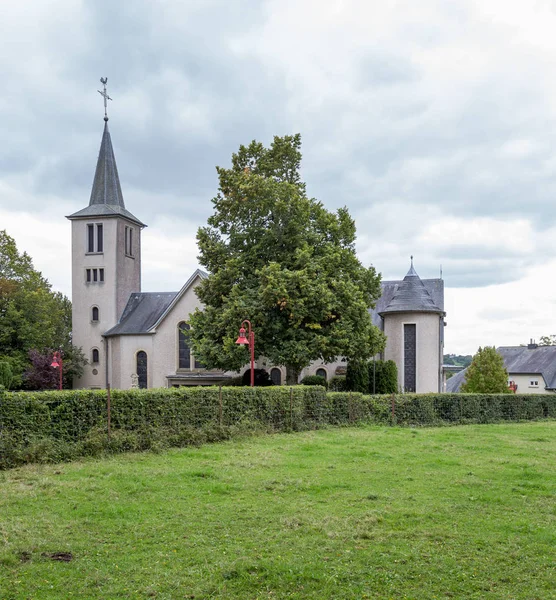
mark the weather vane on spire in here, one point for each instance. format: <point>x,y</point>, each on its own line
<point>104,81</point>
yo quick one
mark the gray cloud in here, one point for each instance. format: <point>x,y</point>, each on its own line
<point>414,119</point>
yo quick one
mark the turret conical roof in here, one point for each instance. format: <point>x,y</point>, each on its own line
<point>106,199</point>
<point>411,296</point>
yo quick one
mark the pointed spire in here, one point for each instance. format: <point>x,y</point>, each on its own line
<point>106,184</point>
<point>106,199</point>
<point>412,272</point>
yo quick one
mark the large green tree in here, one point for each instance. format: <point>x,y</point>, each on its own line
<point>486,374</point>
<point>547,340</point>
<point>32,316</point>
<point>281,260</point>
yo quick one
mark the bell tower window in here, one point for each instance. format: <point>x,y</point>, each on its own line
<point>99,237</point>
<point>129,241</point>
<point>94,314</point>
<point>95,238</point>
<point>94,275</point>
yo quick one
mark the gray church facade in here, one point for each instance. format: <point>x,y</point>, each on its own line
<point>133,338</point>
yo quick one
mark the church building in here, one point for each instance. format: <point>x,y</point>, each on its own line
<point>134,338</point>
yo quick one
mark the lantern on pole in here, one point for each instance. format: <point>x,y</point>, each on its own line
<point>57,363</point>
<point>242,340</point>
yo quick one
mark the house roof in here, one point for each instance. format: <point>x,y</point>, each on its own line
<point>520,360</point>
<point>454,383</point>
<point>412,295</point>
<point>144,311</point>
<point>106,199</point>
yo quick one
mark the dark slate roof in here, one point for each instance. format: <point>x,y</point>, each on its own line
<point>523,360</point>
<point>105,210</point>
<point>435,288</point>
<point>142,311</point>
<point>106,195</point>
<point>520,360</point>
<point>412,295</point>
<point>454,383</point>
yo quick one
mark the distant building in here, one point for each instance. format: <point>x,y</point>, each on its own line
<point>531,369</point>
<point>136,338</point>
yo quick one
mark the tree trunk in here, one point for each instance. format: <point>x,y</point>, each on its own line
<point>292,375</point>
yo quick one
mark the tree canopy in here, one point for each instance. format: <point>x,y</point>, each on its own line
<point>486,374</point>
<point>281,260</point>
<point>32,316</point>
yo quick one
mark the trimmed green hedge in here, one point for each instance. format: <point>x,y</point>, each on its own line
<point>55,426</point>
<point>52,426</point>
<point>441,409</point>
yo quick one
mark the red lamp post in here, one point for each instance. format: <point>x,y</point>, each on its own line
<point>57,363</point>
<point>250,341</point>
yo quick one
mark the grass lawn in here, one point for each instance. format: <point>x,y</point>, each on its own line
<point>456,512</point>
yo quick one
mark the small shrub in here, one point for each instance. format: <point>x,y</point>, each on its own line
<point>337,383</point>
<point>357,376</point>
<point>314,380</point>
<point>383,377</point>
<point>262,378</point>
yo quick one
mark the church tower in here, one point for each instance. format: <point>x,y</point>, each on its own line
<point>106,262</point>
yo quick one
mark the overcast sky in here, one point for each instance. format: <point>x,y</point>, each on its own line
<point>434,122</point>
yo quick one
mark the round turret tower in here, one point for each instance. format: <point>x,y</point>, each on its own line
<point>414,326</point>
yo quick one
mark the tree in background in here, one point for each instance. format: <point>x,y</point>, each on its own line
<point>459,360</point>
<point>486,374</point>
<point>6,375</point>
<point>547,340</point>
<point>41,375</point>
<point>283,261</point>
<point>372,377</point>
<point>31,315</point>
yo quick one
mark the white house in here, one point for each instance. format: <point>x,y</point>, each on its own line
<point>531,369</point>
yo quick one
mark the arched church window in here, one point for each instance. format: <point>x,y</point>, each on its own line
<point>95,355</point>
<point>184,352</point>
<point>94,313</point>
<point>142,369</point>
<point>322,373</point>
<point>276,376</point>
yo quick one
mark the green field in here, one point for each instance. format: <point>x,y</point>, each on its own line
<point>456,512</point>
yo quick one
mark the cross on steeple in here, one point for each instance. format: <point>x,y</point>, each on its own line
<point>106,97</point>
